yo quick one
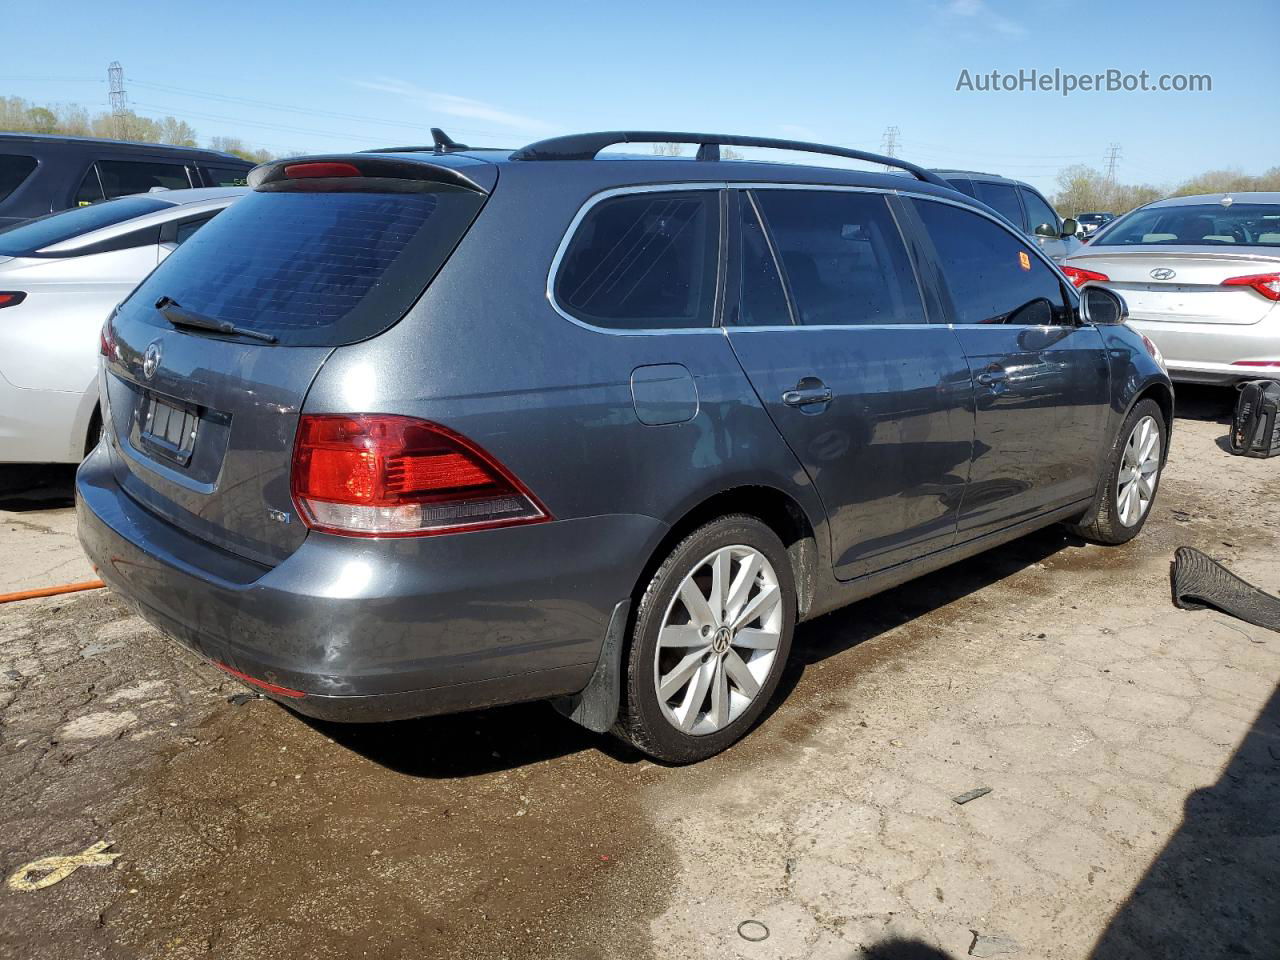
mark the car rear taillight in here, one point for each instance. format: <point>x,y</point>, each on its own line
<point>1257,363</point>
<point>1267,284</point>
<point>1079,277</point>
<point>107,341</point>
<point>11,298</point>
<point>376,475</point>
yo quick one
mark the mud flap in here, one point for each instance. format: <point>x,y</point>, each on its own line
<point>1199,581</point>
<point>596,706</point>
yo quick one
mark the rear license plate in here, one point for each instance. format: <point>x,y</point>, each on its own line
<point>169,430</point>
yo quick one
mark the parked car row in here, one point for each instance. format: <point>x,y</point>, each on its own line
<point>422,430</point>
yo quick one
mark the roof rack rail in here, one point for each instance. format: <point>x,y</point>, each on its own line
<point>585,146</point>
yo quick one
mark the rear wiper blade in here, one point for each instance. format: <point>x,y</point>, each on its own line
<point>179,316</point>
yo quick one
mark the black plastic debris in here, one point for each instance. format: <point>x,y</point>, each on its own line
<point>1200,582</point>
<point>973,794</point>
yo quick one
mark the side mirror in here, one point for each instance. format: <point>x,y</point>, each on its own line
<point>1070,227</point>
<point>1103,307</point>
<point>1046,230</point>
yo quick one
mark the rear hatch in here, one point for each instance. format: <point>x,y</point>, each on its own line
<point>1182,286</point>
<point>210,359</point>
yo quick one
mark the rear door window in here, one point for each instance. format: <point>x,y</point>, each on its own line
<point>122,177</point>
<point>1038,212</point>
<point>644,261</point>
<point>1002,198</point>
<point>991,274</point>
<point>314,268</point>
<point>14,169</point>
<point>762,301</point>
<point>964,185</point>
<point>90,189</point>
<point>844,260</point>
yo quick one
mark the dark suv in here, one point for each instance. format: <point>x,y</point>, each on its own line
<point>1023,205</point>
<point>42,174</point>
<point>410,432</point>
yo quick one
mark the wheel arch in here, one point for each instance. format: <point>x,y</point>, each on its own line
<point>773,507</point>
<point>1162,394</point>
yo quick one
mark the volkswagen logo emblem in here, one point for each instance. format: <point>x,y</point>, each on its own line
<point>151,360</point>
<point>1162,273</point>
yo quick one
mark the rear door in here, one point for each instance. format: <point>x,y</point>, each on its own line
<point>202,424</point>
<point>1040,380</point>
<point>826,318</point>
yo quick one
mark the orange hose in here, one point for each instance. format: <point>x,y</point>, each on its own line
<point>51,591</point>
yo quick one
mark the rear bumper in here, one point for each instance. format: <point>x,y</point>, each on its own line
<point>378,629</point>
<point>1207,352</point>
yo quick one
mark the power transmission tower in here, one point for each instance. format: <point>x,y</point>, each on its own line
<point>889,143</point>
<point>119,100</point>
<point>1113,157</point>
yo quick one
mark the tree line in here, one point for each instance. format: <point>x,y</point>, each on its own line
<point>1083,189</point>
<point>21,116</point>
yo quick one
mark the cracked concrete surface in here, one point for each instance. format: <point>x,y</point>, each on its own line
<point>1132,751</point>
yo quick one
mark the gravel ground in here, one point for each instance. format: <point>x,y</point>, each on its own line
<point>1132,751</point>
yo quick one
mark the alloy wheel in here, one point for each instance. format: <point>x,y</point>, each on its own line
<point>1139,470</point>
<point>719,640</point>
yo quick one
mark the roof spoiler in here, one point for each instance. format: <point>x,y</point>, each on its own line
<point>585,146</point>
<point>346,171</point>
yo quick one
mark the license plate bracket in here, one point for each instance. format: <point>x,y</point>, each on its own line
<point>168,429</point>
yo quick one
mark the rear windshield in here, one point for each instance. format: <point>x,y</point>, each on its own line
<point>26,238</point>
<point>13,170</point>
<point>1211,225</point>
<point>314,269</point>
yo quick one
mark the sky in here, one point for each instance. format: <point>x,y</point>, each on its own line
<point>333,75</point>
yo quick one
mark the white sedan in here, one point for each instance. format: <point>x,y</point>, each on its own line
<point>60,277</point>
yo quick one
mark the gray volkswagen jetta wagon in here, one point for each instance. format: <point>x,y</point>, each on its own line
<point>435,428</point>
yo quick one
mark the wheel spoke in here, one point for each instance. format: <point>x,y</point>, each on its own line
<point>672,682</point>
<point>719,712</point>
<point>695,696</point>
<point>751,638</point>
<point>1147,486</point>
<point>697,605</point>
<point>719,585</point>
<point>739,674</point>
<point>747,572</point>
<point>761,605</point>
<point>682,635</point>
<point>1126,475</point>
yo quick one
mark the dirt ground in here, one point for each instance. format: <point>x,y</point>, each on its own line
<point>1132,751</point>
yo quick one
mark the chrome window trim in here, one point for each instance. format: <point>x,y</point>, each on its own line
<point>1072,294</point>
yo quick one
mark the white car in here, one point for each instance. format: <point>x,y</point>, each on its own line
<point>1201,276</point>
<point>60,277</point>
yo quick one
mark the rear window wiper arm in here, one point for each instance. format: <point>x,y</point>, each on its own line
<point>180,317</point>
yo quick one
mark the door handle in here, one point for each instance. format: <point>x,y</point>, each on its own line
<point>992,377</point>
<point>804,396</point>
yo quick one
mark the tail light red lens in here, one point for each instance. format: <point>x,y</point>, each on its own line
<point>1079,277</point>
<point>107,341</point>
<point>1267,284</point>
<point>1257,363</point>
<point>376,475</point>
<point>11,298</point>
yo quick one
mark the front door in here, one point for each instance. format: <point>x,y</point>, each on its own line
<point>1041,383</point>
<point>825,316</point>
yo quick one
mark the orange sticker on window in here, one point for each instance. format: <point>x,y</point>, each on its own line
<point>1023,260</point>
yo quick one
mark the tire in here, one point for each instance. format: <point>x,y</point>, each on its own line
<point>94,433</point>
<point>1115,519</point>
<point>704,649</point>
